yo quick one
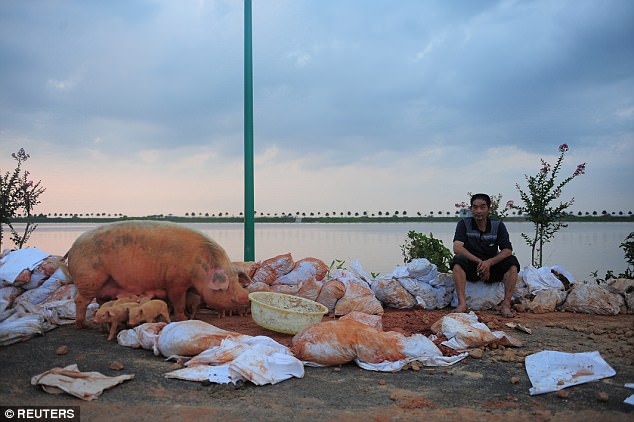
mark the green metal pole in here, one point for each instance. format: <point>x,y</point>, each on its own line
<point>249,217</point>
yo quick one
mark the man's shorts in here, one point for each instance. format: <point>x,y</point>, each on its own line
<point>497,271</point>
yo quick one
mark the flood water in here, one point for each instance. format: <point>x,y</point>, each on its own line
<point>581,248</point>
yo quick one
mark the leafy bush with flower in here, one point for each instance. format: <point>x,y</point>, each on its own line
<point>539,203</point>
<point>18,197</point>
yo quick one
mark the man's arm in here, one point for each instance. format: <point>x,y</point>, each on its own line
<point>459,249</point>
<point>484,266</point>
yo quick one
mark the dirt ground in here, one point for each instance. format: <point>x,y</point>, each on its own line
<point>493,387</point>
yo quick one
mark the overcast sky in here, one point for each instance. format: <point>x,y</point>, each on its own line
<point>136,107</point>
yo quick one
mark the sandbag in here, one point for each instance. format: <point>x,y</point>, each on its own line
<point>625,288</point>
<point>258,287</point>
<point>341,341</point>
<point>142,336</point>
<point>481,295</point>
<point>423,292</point>
<point>310,289</point>
<point>13,330</point>
<point>273,268</point>
<point>8,295</point>
<point>544,301</point>
<point>16,266</point>
<point>464,331</point>
<point>189,338</point>
<point>304,270</point>
<point>260,360</point>
<point>540,279</point>
<point>289,289</point>
<point>590,298</point>
<point>358,296</point>
<point>249,267</point>
<point>374,321</point>
<point>392,294</point>
<point>330,293</point>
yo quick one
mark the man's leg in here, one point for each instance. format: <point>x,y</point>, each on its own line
<point>510,279</point>
<point>460,280</point>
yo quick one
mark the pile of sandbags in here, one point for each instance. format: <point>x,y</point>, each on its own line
<point>36,294</point>
<point>417,283</point>
<point>213,354</point>
<point>341,290</point>
<point>549,289</point>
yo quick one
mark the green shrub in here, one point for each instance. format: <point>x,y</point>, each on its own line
<point>419,245</point>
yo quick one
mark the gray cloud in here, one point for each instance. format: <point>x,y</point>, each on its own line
<point>344,81</point>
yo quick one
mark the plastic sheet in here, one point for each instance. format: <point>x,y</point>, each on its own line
<point>551,370</point>
<point>260,360</point>
<point>84,385</point>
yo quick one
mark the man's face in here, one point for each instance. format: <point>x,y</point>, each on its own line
<point>479,210</point>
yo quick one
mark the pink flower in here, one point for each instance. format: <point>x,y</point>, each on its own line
<point>563,147</point>
<point>510,203</point>
<point>581,169</point>
<point>545,167</point>
<point>461,204</point>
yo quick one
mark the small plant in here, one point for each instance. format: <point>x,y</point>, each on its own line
<point>628,248</point>
<point>336,264</point>
<point>419,245</point>
<point>18,193</point>
<point>543,189</point>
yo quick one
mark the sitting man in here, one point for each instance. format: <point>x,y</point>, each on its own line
<point>484,252</point>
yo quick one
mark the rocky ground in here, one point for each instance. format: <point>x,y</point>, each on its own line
<point>491,384</point>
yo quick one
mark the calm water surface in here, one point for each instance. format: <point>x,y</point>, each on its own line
<point>581,248</point>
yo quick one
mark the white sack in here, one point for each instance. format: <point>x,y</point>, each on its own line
<point>7,297</point>
<point>357,269</point>
<point>419,268</point>
<point>391,293</point>
<point>464,331</point>
<point>423,292</point>
<point>544,301</point>
<point>542,278</point>
<point>342,341</point>
<point>15,262</point>
<point>143,336</point>
<point>41,293</point>
<point>357,297</point>
<point>304,270</point>
<point>189,338</point>
<point>13,330</point>
<point>374,321</point>
<point>481,295</point>
<point>590,298</point>
<point>551,370</point>
<point>260,360</point>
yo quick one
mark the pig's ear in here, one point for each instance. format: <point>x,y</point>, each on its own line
<point>219,280</point>
<point>243,279</point>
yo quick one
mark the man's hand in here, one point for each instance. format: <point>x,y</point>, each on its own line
<point>484,270</point>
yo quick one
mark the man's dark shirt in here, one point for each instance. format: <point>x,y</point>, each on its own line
<point>485,244</point>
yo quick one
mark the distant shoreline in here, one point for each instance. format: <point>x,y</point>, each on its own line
<point>287,219</point>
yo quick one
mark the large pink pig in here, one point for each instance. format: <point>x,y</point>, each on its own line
<point>155,259</point>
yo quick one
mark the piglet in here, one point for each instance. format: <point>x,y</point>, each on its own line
<point>116,315</point>
<point>193,302</point>
<point>148,312</point>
